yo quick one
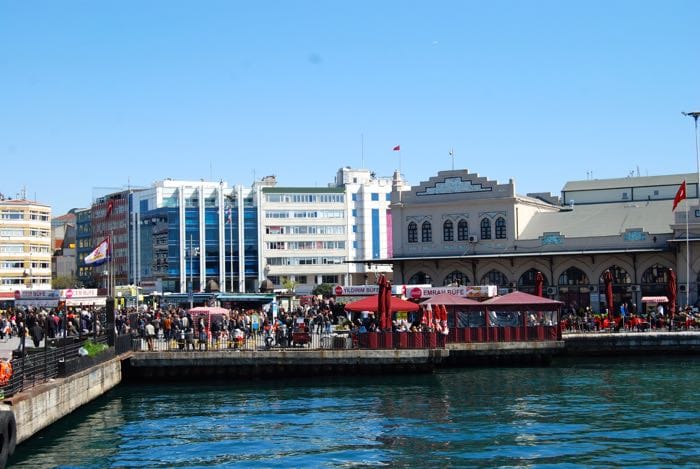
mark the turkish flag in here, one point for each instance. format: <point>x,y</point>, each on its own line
<point>680,195</point>
<point>397,148</point>
<point>110,207</point>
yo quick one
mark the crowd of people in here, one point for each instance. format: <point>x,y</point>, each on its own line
<point>34,324</point>
<point>628,319</point>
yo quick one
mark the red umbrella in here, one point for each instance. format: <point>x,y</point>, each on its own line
<point>381,300</point>
<point>539,283</point>
<point>671,287</point>
<point>386,315</point>
<point>608,279</point>
<point>370,303</point>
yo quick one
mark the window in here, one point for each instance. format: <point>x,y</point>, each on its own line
<point>329,279</point>
<point>412,232</point>
<point>494,277</point>
<point>456,278</point>
<point>354,212</point>
<point>462,230</point>
<point>426,232</point>
<point>12,215</point>
<point>625,196</point>
<point>388,197</point>
<point>375,196</point>
<point>500,228</point>
<point>420,278</point>
<point>448,232</point>
<point>354,197</point>
<point>485,229</point>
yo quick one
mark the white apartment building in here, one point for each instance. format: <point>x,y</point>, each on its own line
<point>25,246</point>
<point>312,235</point>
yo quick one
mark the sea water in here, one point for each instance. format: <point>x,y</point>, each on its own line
<point>604,413</point>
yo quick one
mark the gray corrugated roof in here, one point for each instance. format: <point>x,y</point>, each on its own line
<point>603,220</point>
<point>642,181</point>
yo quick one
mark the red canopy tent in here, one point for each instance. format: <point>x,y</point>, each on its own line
<point>447,300</point>
<point>371,303</point>
<point>520,300</point>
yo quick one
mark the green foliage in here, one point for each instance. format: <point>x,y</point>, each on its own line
<point>65,281</point>
<point>94,348</point>
<point>289,284</point>
<point>325,289</point>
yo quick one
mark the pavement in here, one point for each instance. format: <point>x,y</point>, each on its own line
<point>8,345</point>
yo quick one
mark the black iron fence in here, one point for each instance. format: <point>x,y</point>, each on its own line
<point>60,358</point>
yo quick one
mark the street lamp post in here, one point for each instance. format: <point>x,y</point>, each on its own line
<point>694,115</point>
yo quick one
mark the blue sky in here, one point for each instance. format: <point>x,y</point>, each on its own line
<point>106,94</point>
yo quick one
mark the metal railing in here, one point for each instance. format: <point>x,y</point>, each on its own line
<point>60,358</point>
<point>295,341</point>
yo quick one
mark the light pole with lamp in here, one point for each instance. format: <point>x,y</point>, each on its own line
<point>694,115</point>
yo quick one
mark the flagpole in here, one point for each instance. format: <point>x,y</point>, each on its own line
<point>687,253</point>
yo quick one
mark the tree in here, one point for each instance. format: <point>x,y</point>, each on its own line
<point>324,289</point>
<point>65,281</point>
<point>289,284</point>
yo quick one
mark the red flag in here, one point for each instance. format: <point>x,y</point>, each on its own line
<point>110,206</point>
<point>397,148</point>
<point>680,195</point>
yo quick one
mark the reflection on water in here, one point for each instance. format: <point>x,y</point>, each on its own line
<point>611,413</point>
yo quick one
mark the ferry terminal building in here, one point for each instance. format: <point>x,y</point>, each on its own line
<point>460,228</point>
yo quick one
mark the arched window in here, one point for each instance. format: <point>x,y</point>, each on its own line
<point>426,232</point>
<point>485,229</point>
<point>620,276</point>
<point>494,277</point>
<point>462,230</point>
<point>448,231</point>
<point>412,232</point>
<point>456,277</point>
<point>655,274</point>
<point>526,282</point>
<point>500,228</point>
<point>573,276</point>
<point>655,281</point>
<point>420,278</point>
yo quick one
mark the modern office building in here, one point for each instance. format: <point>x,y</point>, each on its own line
<point>194,236</point>
<point>25,245</point>
<point>460,228</point>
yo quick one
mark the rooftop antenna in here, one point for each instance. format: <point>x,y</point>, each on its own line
<point>452,155</point>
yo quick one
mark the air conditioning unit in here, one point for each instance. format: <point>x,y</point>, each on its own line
<point>635,288</point>
<point>551,290</point>
<point>473,239</point>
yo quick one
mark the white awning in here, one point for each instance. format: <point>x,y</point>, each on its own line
<point>88,301</point>
<point>654,299</point>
